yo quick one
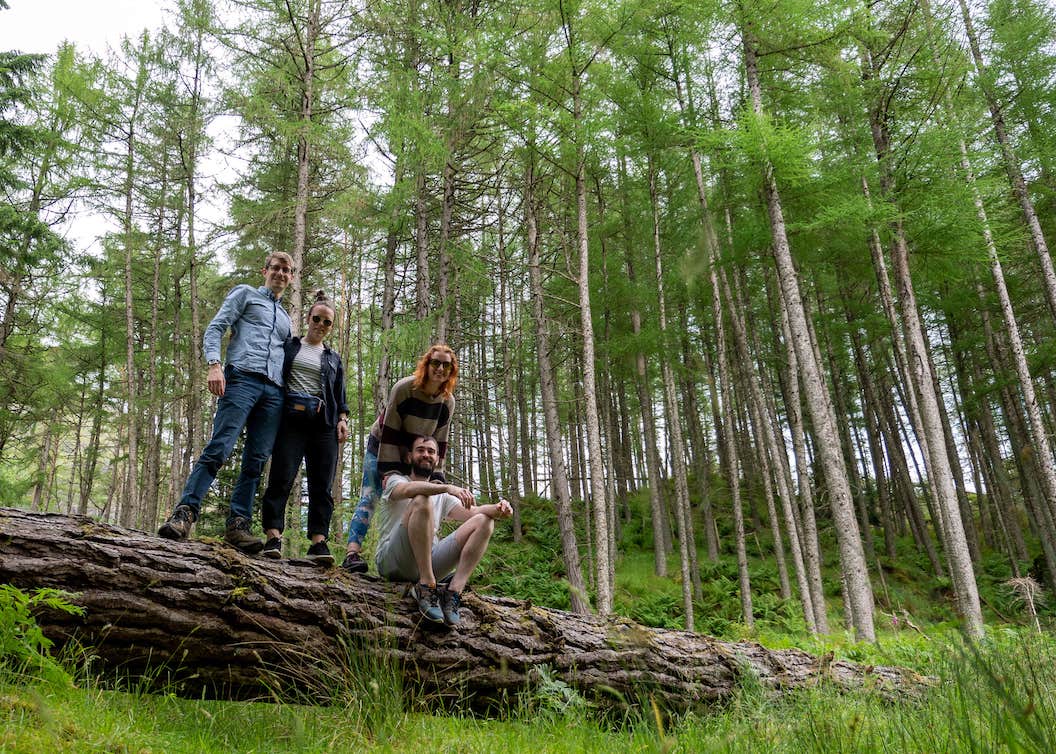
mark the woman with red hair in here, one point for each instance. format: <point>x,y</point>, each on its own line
<point>421,404</point>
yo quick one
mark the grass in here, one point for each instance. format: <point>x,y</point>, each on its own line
<point>994,697</point>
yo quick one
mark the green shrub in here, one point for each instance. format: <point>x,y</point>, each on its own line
<point>531,569</point>
<point>24,649</point>
<point>661,609</point>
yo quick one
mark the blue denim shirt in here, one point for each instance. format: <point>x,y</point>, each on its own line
<point>259,326</point>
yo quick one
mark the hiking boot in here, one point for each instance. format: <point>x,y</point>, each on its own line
<point>450,602</point>
<point>179,524</point>
<point>273,548</point>
<point>428,600</point>
<point>237,535</point>
<point>354,563</point>
<point>320,553</point>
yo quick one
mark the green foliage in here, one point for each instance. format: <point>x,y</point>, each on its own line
<point>554,699</point>
<point>23,647</point>
<point>784,145</point>
<point>531,569</point>
<point>660,609</point>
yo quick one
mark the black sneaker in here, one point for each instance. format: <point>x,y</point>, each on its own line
<point>179,524</point>
<point>237,535</point>
<point>450,602</point>
<point>428,601</point>
<point>354,563</point>
<point>320,553</point>
<point>273,548</point>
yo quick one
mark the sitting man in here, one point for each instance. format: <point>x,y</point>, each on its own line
<point>408,520</point>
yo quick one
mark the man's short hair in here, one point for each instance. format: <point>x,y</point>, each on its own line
<point>282,256</point>
<point>416,438</point>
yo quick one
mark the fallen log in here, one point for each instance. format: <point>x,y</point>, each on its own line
<point>199,617</point>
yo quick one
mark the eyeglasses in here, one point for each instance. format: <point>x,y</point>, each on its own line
<point>317,319</point>
<point>280,268</point>
<point>442,365</point>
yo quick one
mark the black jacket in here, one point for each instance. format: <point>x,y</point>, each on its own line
<point>333,374</point>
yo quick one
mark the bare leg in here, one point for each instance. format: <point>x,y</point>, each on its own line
<point>420,530</point>
<point>473,537</point>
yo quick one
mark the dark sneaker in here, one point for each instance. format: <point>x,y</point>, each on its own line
<point>450,602</point>
<point>237,535</point>
<point>179,524</point>
<point>273,548</point>
<point>320,553</point>
<point>428,601</point>
<point>354,563</point>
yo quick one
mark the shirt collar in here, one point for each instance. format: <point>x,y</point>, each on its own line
<point>268,292</point>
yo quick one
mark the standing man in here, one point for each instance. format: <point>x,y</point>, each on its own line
<point>250,391</point>
<point>409,517</point>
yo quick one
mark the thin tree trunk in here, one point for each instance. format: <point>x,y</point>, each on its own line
<point>421,282</point>
<point>686,539</point>
<point>152,461</point>
<point>701,454</point>
<point>852,556</point>
<point>1012,166</point>
<point>305,156</point>
<point>388,300</point>
<point>812,555</point>
<point>130,507</point>
<point>562,498</point>
<point>528,467</point>
<point>511,456</point>
<point>443,282</point>
<point>645,404</point>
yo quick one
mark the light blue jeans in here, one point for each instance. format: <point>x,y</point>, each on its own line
<point>369,494</point>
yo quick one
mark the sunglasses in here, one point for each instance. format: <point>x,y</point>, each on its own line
<point>317,319</point>
<point>444,365</point>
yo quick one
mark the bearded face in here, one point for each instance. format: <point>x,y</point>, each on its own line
<point>423,458</point>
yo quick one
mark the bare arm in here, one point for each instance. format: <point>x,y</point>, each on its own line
<point>501,509</point>
<point>405,490</point>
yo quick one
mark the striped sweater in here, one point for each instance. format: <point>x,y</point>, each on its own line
<point>408,412</point>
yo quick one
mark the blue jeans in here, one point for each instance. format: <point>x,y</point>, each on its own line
<point>306,438</point>
<point>369,494</point>
<point>249,401</point>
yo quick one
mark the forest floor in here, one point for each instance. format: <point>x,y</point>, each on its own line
<point>995,695</point>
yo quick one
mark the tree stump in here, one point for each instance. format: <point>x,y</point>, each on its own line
<point>199,617</point>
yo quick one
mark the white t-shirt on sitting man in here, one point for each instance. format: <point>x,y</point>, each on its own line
<point>389,515</point>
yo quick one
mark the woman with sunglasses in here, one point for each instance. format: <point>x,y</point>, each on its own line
<point>314,421</point>
<point>421,404</point>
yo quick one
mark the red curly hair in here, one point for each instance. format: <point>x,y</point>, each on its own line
<point>421,372</point>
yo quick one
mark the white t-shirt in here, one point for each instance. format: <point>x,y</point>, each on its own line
<point>390,513</point>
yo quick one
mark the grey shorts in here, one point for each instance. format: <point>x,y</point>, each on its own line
<point>396,561</point>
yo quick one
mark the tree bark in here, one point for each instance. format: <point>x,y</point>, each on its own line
<point>819,404</point>
<point>562,497</point>
<point>511,454</point>
<point>219,623</point>
<point>645,405</point>
<point>306,66</point>
<point>812,554</point>
<point>686,538</point>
